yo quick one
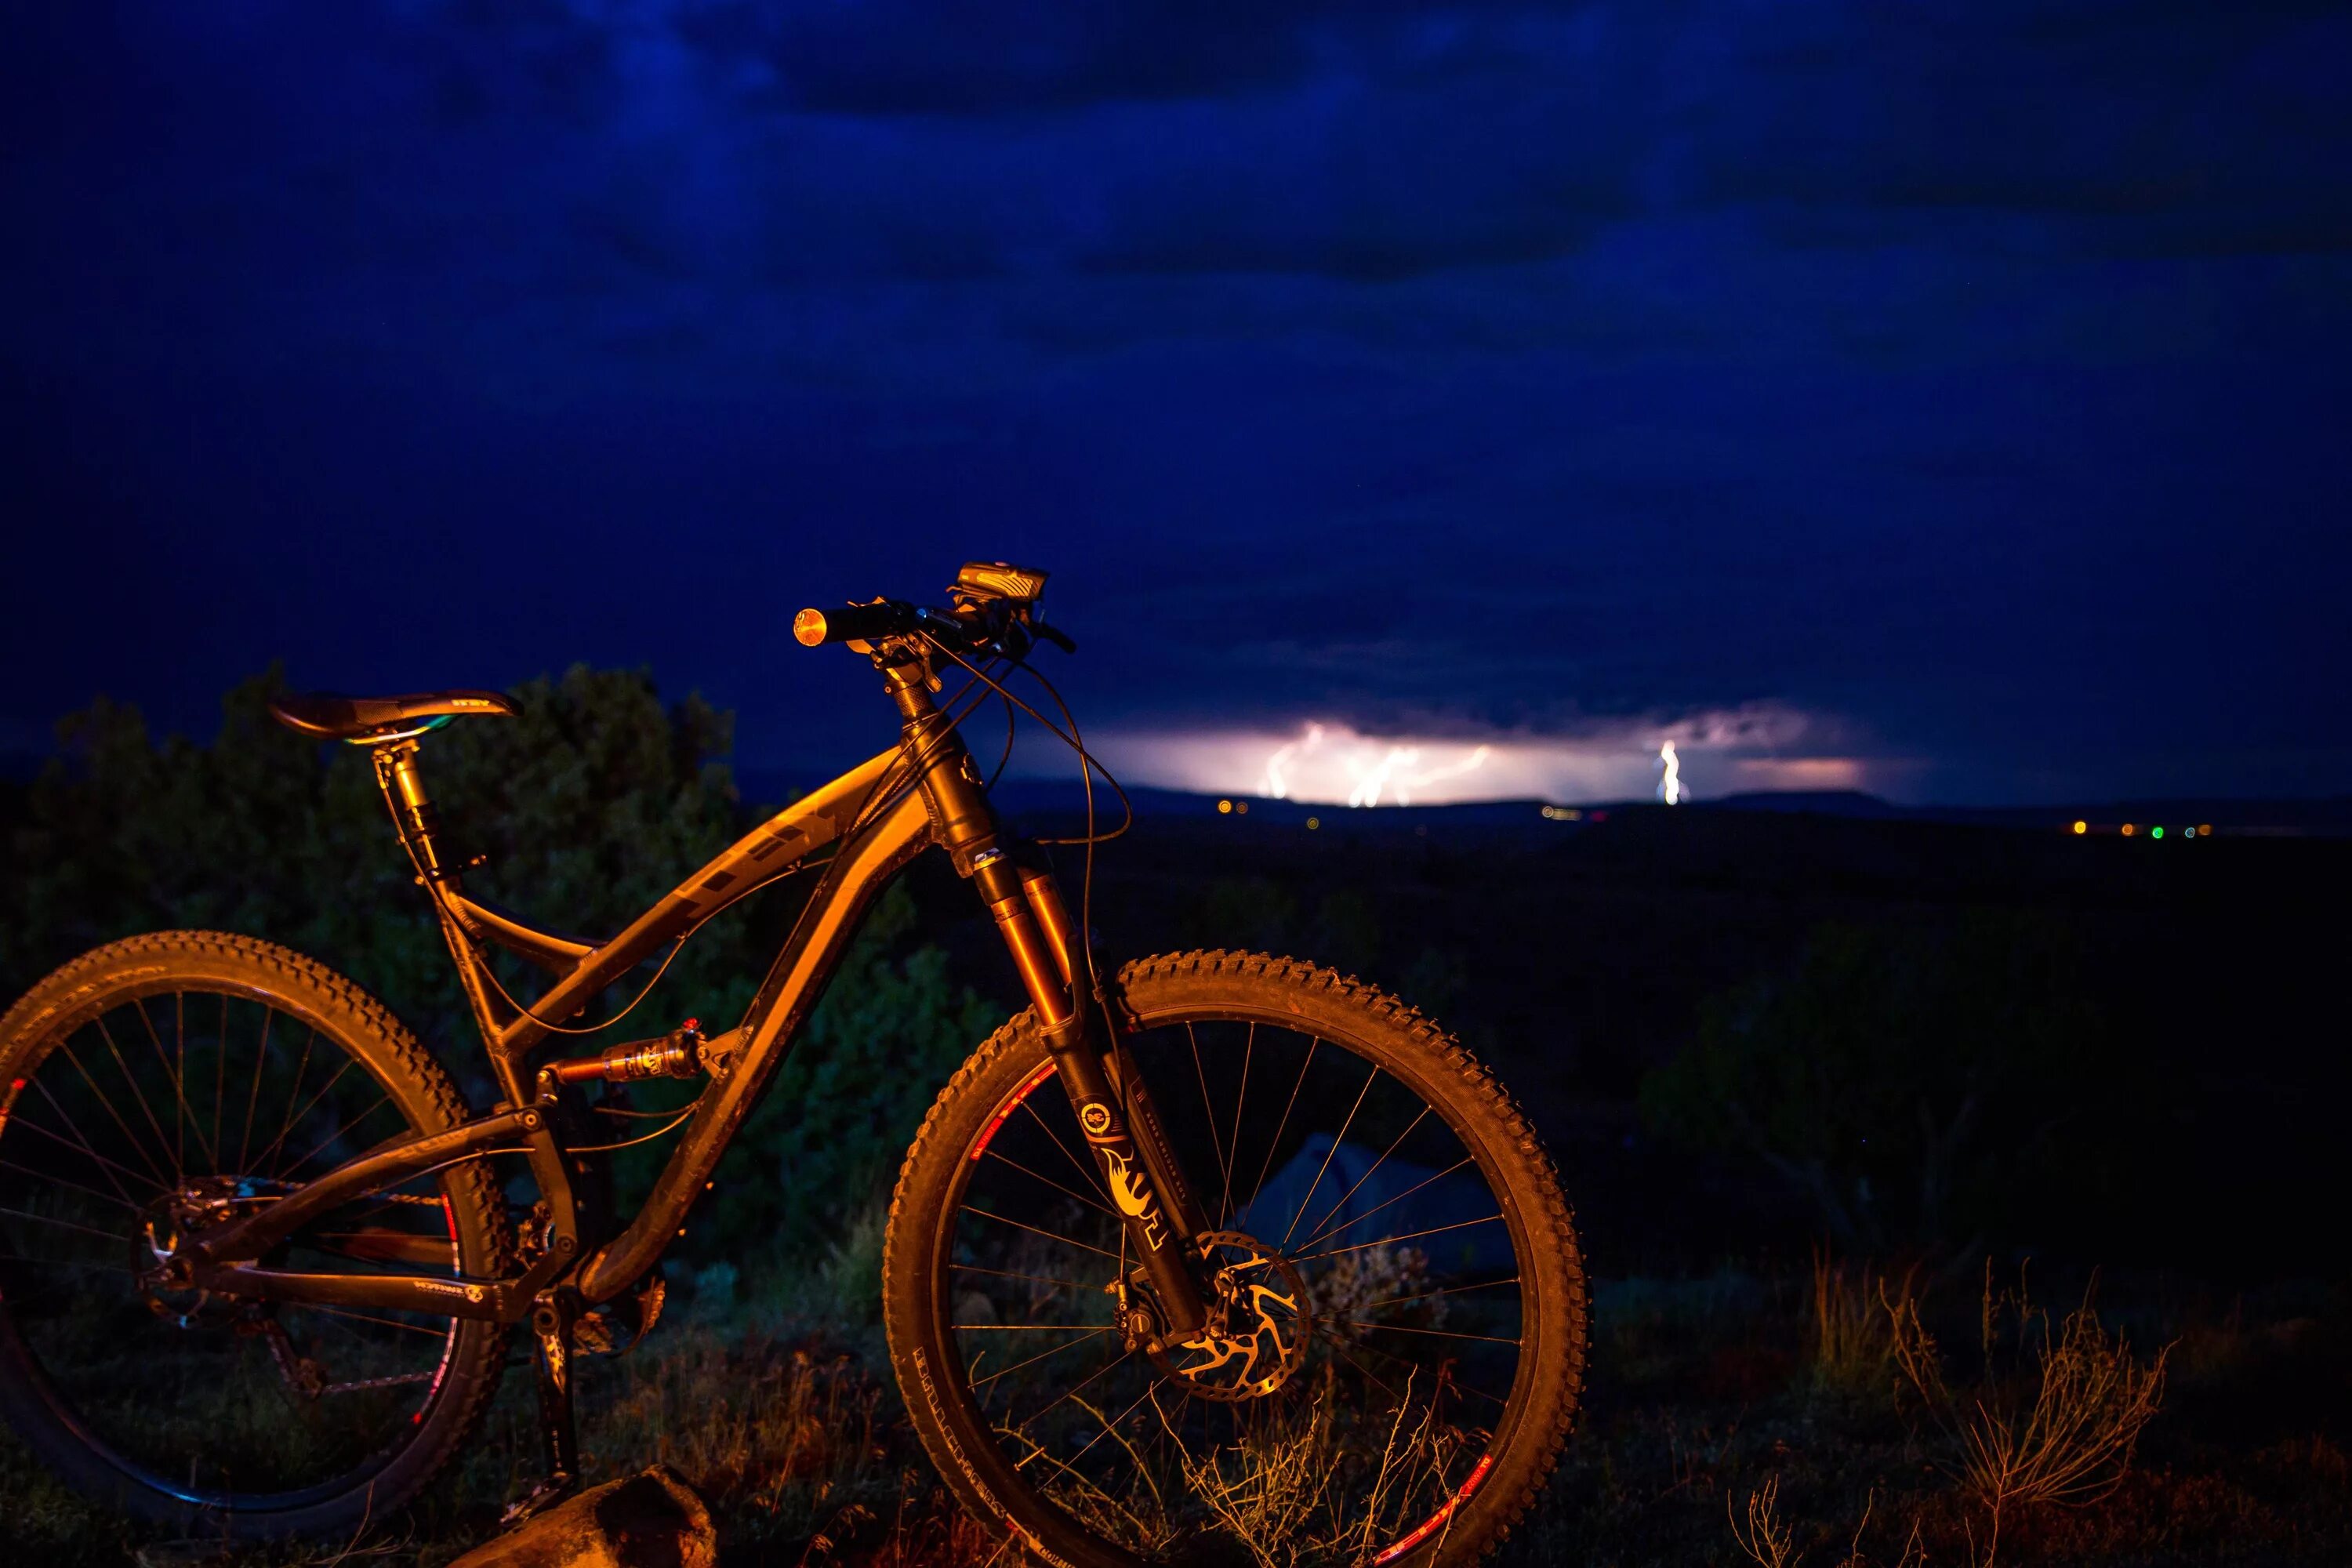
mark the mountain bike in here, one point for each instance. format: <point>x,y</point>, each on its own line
<point>1207,1255</point>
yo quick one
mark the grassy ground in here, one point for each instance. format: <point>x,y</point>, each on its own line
<point>1750,1415</point>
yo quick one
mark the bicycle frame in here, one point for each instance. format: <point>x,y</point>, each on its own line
<point>880,815</point>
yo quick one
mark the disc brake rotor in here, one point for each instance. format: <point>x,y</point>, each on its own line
<point>1259,1321</point>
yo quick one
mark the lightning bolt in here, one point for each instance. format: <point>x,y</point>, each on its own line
<point>1670,779</point>
<point>1275,782</point>
<point>1470,763</point>
<point>1370,782</point>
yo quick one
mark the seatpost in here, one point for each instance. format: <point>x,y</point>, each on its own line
<point>404,787</point>
<point>967,827</point>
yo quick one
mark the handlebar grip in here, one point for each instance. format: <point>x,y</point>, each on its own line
<point>852,623</point>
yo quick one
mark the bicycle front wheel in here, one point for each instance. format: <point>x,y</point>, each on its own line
<point>165,1083</point>
<point>1398,1296</point>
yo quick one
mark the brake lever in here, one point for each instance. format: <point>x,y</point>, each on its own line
<point>1055,634</point>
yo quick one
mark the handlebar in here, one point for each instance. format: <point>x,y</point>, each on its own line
<point>869,623</point>
<point>886,618</point>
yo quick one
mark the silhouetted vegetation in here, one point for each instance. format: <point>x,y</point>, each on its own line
<point>1918,1086</point>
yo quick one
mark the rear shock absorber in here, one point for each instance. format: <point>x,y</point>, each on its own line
<point>679,1053</point>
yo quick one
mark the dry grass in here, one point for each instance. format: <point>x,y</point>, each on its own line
<point>2054,1416</point>
<point>1301,1491</point>
<point>786,1444</point>
<point>1853,1328</point>
<point>809,1465</point>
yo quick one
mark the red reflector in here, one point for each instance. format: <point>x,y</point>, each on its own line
<point>1044,1070</point>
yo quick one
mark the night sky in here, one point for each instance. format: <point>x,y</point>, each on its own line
<point>1947,399</point>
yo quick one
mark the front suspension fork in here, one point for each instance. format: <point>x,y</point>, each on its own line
<point>1145,1180</point>
<point>1115,1113</point>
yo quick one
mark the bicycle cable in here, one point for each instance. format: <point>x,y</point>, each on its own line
<point>1088,765</point>
<point>877,800</point>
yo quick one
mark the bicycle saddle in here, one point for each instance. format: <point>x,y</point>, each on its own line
<point>331,716</point>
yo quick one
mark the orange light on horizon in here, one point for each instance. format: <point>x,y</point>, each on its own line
<point>2082,827</point>
<point>2129,830</point>
<point>1225,808</point>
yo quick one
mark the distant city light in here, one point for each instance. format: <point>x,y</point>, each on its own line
<point>1313,823</point>
<point>1225,808</point>
<point>2129,830</point>
<point>2204,830</point>
<point>2155,832</point>
<point>1561,813</point>
<point>2082,827</point>
<point>1242,807</point>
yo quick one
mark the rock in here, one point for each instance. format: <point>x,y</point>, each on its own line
<point>649,1520</point>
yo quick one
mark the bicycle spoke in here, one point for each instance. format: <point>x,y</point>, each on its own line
<point>161,1181</point>
<point>1048,1235</point>
<point>1049,1180</point>
<point>1452,1291</point>
<point>1040,1355</point>
<point>253,1095</point>
<point>1326,1166</point>
<point>1342,1350</point>
<point>1403,1328</point>
<point>294,1120</point>
<point>1225,1202</point>
<point>1116,1359</point>
<point>286,1126</point>
<point>1281,1127</point>
<point>181,1116</point>
<point>146,1110</point>
<point>1329,1231</point>
<point>220,1067</point>
<point>1417,1367</point>
<point>1408,1235</point>
<point>370,1317</point>
<point>106,1167</point>
<point>338,1130</point>
<point>1007,1274</point>
<point>69,1186</point>
<point>1394,1145</point>
<point>1084,1168</point>
<point>1208,1110</point>
<point>1112,1426</point>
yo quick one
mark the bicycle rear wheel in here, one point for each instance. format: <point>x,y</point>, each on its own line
<point>1402,1302</point>
<point>163,1083</point>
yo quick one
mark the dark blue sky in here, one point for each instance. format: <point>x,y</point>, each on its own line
<point>1946,397</point>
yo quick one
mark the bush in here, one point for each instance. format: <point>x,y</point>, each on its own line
<point>591,804</point>
<point>2051,1418</point>
<point>1915,1086</point>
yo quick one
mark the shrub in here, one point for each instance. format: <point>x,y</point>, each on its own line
<point>1853,1342</point>
<point>1908,1083</point>
<point>2053,1418</point>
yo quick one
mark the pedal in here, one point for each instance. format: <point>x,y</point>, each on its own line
<point>621,1326</point>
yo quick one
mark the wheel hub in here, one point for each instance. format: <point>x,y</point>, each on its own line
<point>1259,1320</point>
<point>159,1259</point>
